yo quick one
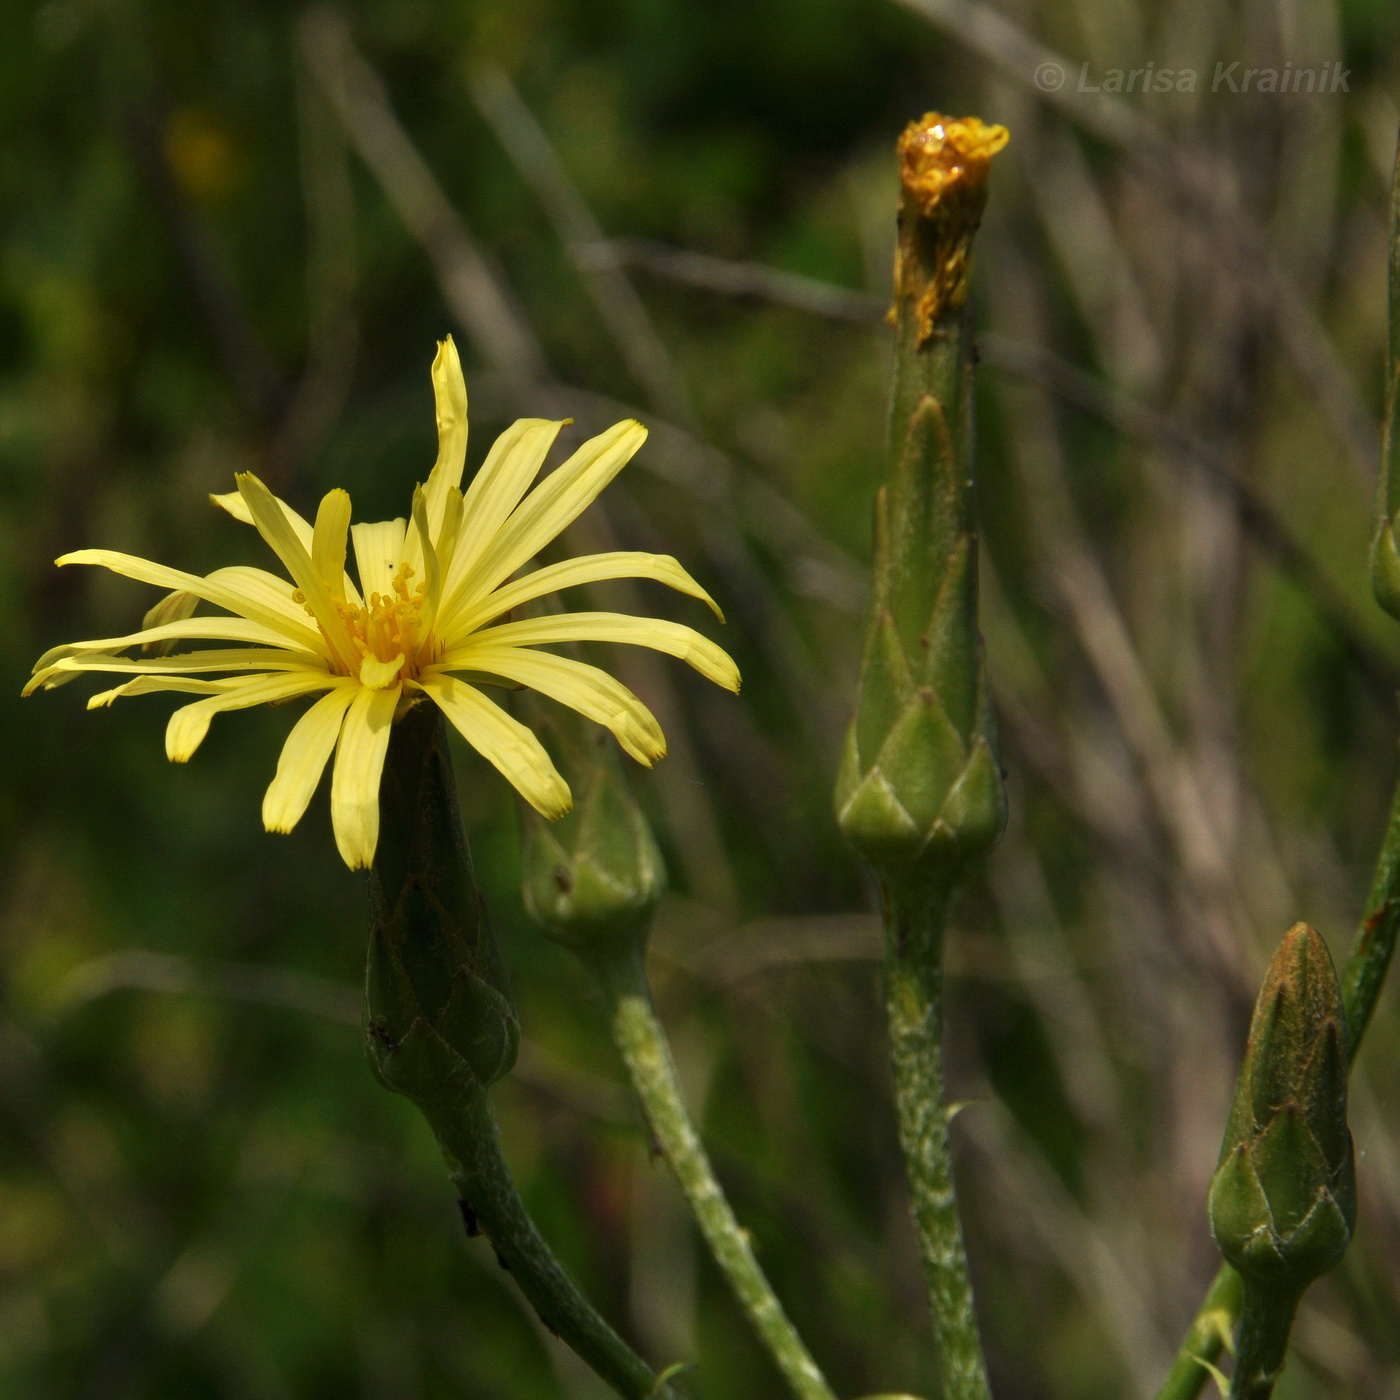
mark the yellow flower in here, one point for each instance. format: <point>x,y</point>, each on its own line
<point>425,621</point>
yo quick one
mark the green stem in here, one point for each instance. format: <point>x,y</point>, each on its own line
<point>641,1041</point>
<point>1362,981</point>
<point>1265,1322</point>
<point>1375,940</point>
<point>1205,1338</point>
<point>488,1192</point>
<point>914,924</point>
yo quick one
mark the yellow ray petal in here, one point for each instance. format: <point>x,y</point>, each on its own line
<point>213,629</point>
<point>584,688</point>
<point>359,765</point>
<point>223,590</point>
<point>272,592</point>
<point>588,568</point>
<point>502,741</point>
<point>237,507</point>
<point>328,541</point>
<point>145,685</point>
<point>449,534</point>
<point>190,723</point>
<point>554,504</point>
<point>378,554</point>
<point>445,479</point>
<point>511,465</point>
<point>242,659</point>
<point>174,607</point>
<point>303,758</point>
<point>671,637</point>
<point>427,565</point>
<point>233,502</point>
<point>276,529</point>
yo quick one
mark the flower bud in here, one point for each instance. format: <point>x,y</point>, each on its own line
<point>1283,1199</point>
<point>920,790</point>
<point>439,1026</point>
<point>592,879</point>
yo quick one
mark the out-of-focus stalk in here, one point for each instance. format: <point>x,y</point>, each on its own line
<point>441,1030</point>
<point>920,792</point>
<point>592,881</point>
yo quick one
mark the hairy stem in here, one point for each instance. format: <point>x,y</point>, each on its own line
<point>641,1041</point>
<point>914,925</point>
<point>491,1201</point>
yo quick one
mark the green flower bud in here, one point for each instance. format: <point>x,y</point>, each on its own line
<point>920,788</point>
<point>593,878</point>
<point>439,1026</point>
<point>1283,1199</point>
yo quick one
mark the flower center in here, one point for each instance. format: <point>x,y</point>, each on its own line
<point>389,625</point>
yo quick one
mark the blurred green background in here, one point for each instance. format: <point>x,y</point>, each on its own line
<point>230,234</point>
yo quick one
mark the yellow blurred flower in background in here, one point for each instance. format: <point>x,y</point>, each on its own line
<point>423,621</point>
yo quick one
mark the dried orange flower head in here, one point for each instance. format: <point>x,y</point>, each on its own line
<point>943,178</point>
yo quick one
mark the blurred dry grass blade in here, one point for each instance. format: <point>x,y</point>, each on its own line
<point>333,330</point>
<point>750,279</point>
<point>309,995</point>
<point>1182,447</point>
<point>138,970</point>
<point>1134,418</point>
<point>1206,189</point>
<point>1074,573</point>
<point>499,332</point>
<point>1024,1186</point>
<point>613,296</point>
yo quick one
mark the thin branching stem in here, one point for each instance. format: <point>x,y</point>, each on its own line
<point>642,1043</point>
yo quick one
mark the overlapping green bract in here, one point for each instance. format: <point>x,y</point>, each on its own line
<point>1283,1200</point>
<point>440,1028</point>
<point>592,879</point>
<point>920,788</point>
